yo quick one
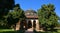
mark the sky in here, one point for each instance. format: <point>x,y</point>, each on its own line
<point>36,4</point>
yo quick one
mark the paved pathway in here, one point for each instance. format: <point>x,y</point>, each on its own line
<point>29,31</point>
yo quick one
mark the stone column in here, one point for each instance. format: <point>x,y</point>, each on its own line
<point>32,23</point>
<point>37,25</point>
<point>18,26</point>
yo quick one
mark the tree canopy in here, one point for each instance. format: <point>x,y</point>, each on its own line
<point>15,15</point>
<point>5,6</point>
<point>47,16</point>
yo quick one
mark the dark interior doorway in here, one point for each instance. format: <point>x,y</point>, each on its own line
<point>34,24</point>
<point>29,24</point>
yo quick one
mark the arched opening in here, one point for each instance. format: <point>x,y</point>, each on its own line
<point>21,25</point>
<point>29,24</point>
<point>34,24</point>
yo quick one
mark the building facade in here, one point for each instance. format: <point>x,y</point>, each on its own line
<point>31,21</point>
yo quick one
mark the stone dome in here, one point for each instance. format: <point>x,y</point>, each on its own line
<point>30,13</point>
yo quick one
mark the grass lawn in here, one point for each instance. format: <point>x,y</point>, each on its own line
<point>6,31</point>
<point>58,30</point>
<point>10,31</point>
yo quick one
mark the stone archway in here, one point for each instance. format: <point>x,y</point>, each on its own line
<point>29,24</point>
<point>34,24</point>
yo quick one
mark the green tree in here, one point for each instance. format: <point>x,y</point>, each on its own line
<point>58,22</point>
<point>5,6</point>
<point>15,15</point>
<point>47,17</point>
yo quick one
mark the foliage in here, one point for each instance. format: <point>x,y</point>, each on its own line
<point>5,6</point>
<point>58,22</point>
<point>47,16</point>
<point>46,32</point>
<point>58,31</point>
<point>15,15</point>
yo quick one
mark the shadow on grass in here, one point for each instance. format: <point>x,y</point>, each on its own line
<point>20,31</point>
<point>45,32</point>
